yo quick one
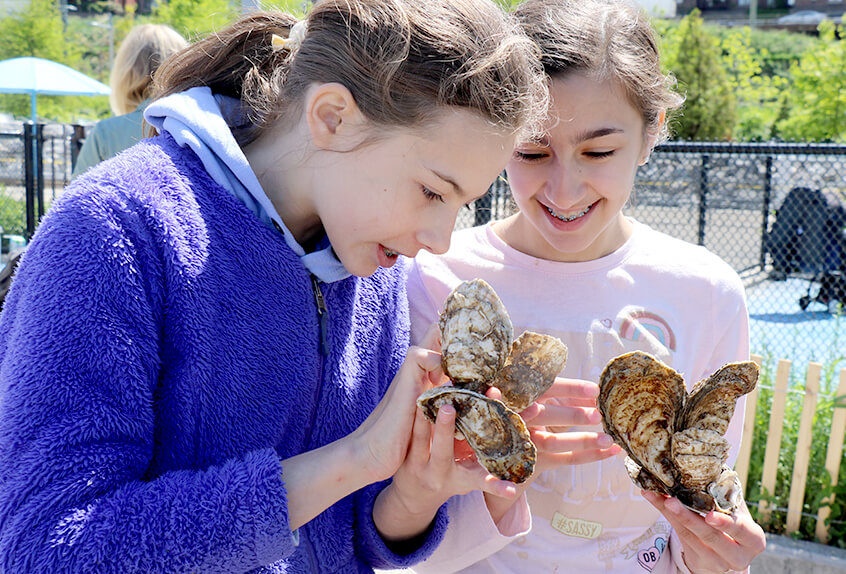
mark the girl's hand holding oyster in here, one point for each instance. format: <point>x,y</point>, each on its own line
<point>436,467</point>
<point>716,543</point>
<point>497,387</point>
<point>678,454</point>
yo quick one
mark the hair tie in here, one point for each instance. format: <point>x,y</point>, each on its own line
<point>295,38</point>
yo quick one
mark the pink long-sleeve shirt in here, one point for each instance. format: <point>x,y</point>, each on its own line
<point>674,300</point>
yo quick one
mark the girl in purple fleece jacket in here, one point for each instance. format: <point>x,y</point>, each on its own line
<point>205,362</point>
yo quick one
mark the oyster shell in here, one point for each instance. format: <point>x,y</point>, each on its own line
<point>477,352</point>
<point>639,398</point>
<point>674,439</point>
<point>530,369</point>
<point>497,434</point>
<point>476,335</point>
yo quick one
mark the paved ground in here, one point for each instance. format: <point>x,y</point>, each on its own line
<point>780,329</point>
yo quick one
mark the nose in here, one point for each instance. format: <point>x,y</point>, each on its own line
<point>435,234</point>
<point>566,185</point>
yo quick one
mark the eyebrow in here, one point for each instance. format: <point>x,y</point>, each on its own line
<point>585,135</point>
<point>455,187</point>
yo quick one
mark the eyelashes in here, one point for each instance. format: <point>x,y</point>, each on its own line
<point>522,156</point>
<point>530,157</point>
<point>431,195</point>
<point>599,154</point>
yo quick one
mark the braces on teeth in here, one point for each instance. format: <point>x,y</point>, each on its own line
<point>565,218</point>
<point>390,253</point>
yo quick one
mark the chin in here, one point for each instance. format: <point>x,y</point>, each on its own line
<point>362,269</point>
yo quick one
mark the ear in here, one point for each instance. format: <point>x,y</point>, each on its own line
<point>652,138</point>
<point>334,119</point>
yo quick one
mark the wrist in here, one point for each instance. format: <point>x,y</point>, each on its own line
<point>498,506</point>
<point>398,518</point>
<point>415,504</point>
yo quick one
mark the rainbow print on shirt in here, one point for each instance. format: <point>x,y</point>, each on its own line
<point>640,324</point>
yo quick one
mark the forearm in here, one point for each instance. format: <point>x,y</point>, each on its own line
<point>498,506</point>
<point>395,521</point>
<point>317,479</point>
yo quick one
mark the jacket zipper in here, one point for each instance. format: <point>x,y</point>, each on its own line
<point>323,317</point>
<point>322,314</point>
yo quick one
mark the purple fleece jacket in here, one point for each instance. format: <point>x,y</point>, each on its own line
<point>161,352</point>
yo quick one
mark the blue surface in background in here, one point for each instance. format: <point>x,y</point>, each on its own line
<point>779,329</point>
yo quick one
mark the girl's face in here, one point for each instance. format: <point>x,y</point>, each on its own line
<point>571,185</point>
<point>401,193</point>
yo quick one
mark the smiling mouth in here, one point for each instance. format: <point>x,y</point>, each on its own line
<point>389,253</point>
<point>569,217</point>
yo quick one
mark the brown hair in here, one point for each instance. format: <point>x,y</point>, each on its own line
<point>605,39</point>
<point>139,55</point>
<point>401,60</point>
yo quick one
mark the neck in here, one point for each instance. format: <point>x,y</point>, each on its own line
<point>279,159</point>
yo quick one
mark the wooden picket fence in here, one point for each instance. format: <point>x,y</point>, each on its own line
<point>803,444</point>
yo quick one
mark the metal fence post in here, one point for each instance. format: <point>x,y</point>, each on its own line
<point>703,197</point>
<point>765,208</point>
<point>29,178</point>
<point>77,139</point>
<point>39,154</point>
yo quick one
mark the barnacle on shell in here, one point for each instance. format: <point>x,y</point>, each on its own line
<point>674,439</point>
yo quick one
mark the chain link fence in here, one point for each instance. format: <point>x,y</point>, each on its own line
<point>26,192</point>
<point>775,212</point>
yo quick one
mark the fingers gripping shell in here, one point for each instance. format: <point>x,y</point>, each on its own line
<point>530,370</point>
<point>476,335</point>
<point>638,399</point>
<point>496,434</point>
<point>696,425</point>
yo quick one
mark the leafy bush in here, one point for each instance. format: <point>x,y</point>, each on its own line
<point>759,96</point>
<point>12,214</point>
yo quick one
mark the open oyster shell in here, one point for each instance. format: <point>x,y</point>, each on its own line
<point>530,370</point>
<point>477,352</point>
<point>476,335</point>
<point>639,398</point>
<point>496,434</point>
<point>674,439</point>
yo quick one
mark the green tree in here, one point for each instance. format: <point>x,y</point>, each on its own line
<point>759,96</point>
<point>297,8</point>
<point>195,19</point>
<point>37,31</point>
<point>693,54</point>
<point>817,102</point>
<point>34,31</point>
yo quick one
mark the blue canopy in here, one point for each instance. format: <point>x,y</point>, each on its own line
<point>36,76</point>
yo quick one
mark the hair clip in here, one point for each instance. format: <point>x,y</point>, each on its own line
<point>295,38</point>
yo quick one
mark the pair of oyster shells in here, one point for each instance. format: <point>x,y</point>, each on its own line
<point>478,351</point>
<point>674,439</point>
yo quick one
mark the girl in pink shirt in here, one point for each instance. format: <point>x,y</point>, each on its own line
<point>572,265</point>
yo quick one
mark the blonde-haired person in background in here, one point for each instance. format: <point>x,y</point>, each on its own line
<point>139,56</point>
